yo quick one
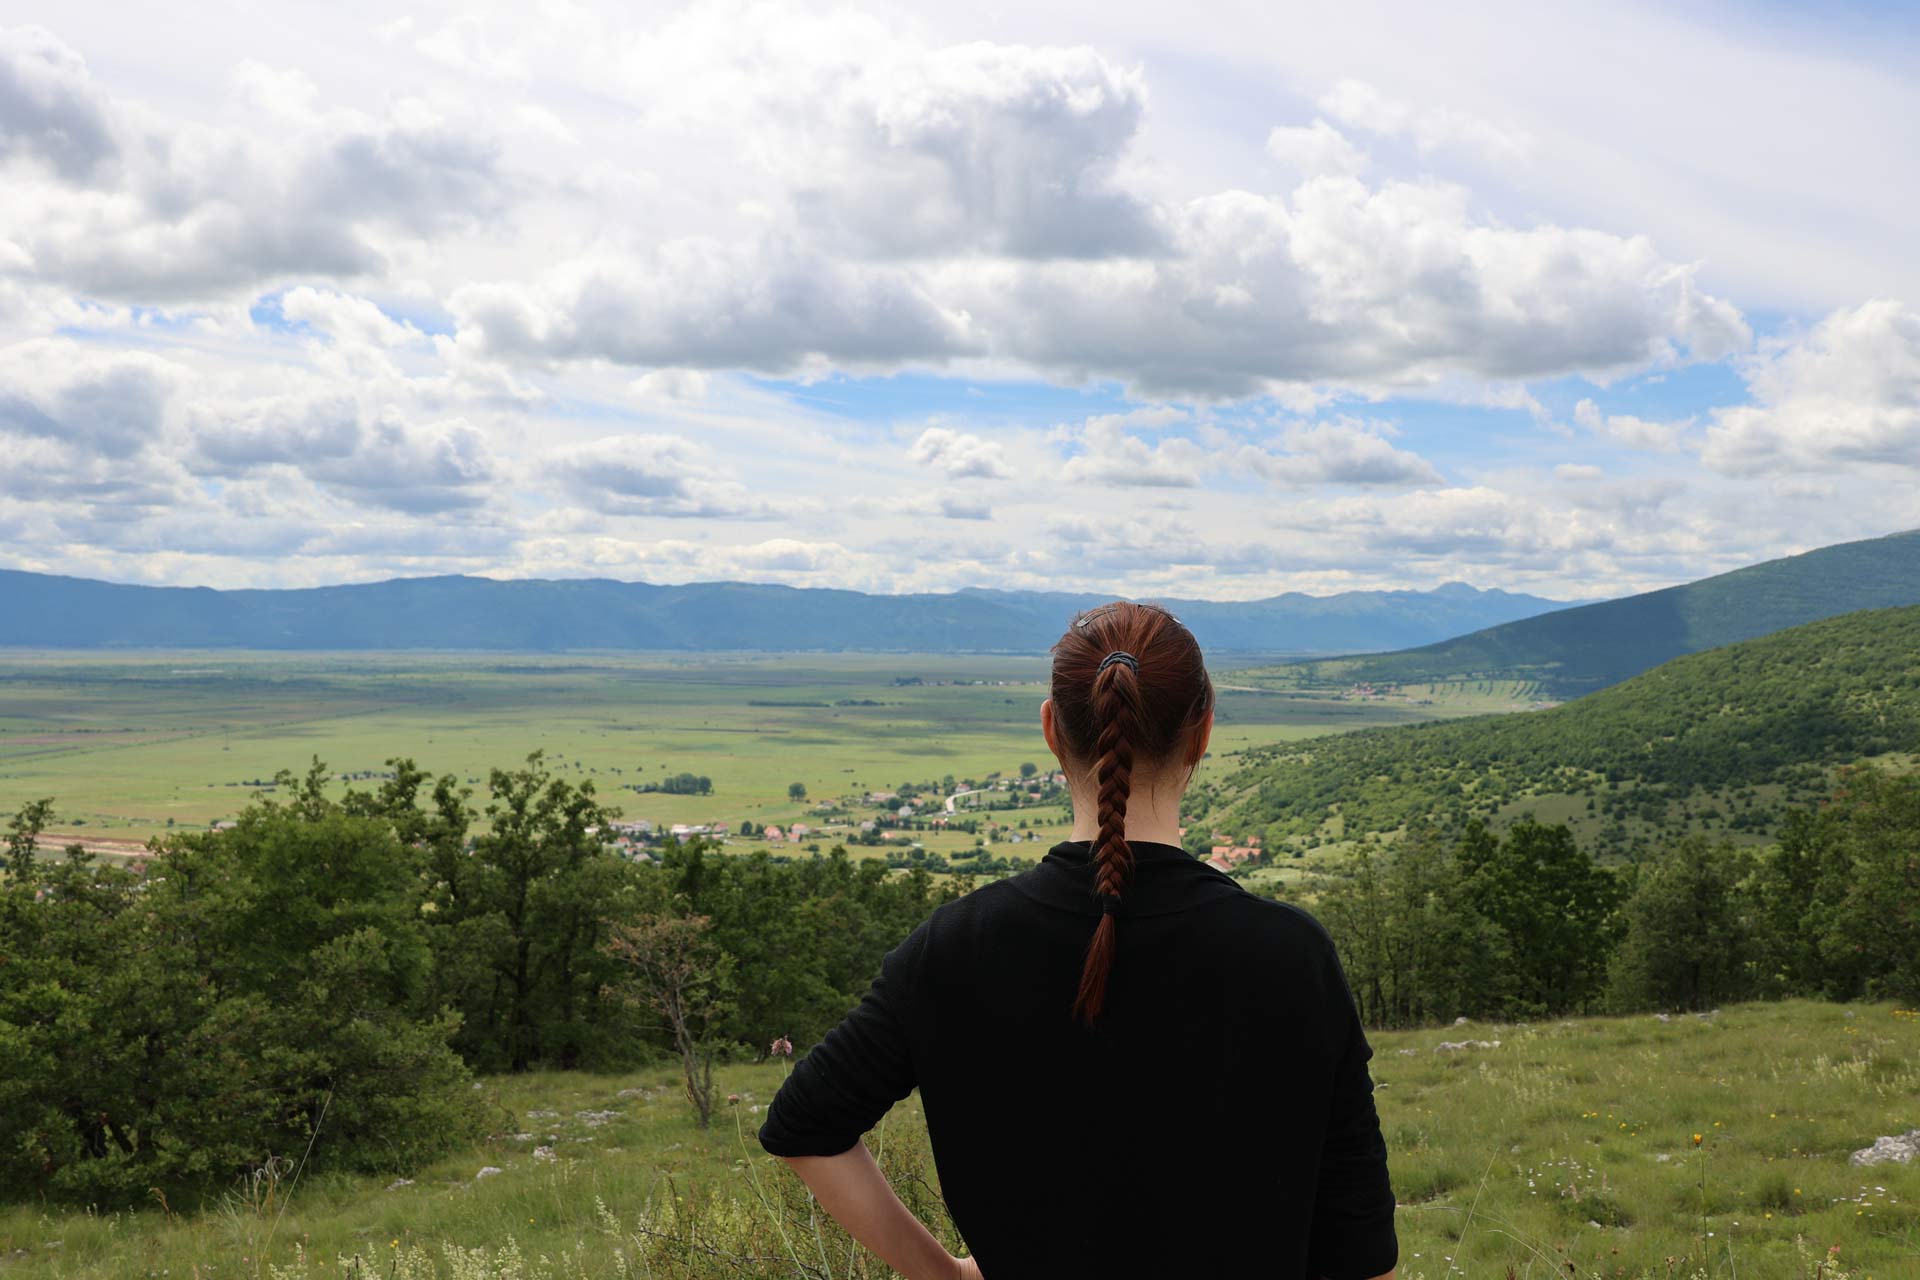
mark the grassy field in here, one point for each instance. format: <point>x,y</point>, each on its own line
<point>127,743</point>
<point>1567,1150</point>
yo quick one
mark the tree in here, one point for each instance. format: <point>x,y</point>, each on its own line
<point>1840,893</point>
<point>523,960</point>
<point>1415,949</point>
<point>1552,907</point>
<point>23,834</point>
<point>674,971</point>
<point>1688,931</point>
<point>796,791</point>
<point>1028,769</point>
<point>259,991</point>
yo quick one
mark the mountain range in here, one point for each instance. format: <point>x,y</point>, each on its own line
<point>54,612</point>
<point>1576,650</point>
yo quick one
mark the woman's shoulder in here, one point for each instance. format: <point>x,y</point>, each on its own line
<point>1276,922</point>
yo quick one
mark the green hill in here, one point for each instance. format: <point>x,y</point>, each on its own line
<point>1570,652</point>
<point>1720,740</point>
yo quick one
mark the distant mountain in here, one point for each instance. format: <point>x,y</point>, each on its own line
<point>1720,740</point>
<point>1577,650</point>
<point>45,611</point>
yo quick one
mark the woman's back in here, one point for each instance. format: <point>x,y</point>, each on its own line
<point>1217,1119</point>
<point>1130,1066</point>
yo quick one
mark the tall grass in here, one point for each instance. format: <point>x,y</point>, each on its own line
<point>1567,1151</point>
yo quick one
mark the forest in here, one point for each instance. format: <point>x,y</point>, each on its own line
<point>1711,728</point>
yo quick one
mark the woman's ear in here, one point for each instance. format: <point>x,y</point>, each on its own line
<point>1050,730</point>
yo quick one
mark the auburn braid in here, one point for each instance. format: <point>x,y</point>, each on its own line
<point>1117,712</point>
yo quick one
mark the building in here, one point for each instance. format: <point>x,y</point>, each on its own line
<point>1235,854</point>
<point>1219,863</point>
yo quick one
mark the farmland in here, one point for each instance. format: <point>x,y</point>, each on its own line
<point>132,745</point>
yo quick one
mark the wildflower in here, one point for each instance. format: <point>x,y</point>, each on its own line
<point>782,1047</point>
<point>1698,1139</point>
<point>733,1099</point>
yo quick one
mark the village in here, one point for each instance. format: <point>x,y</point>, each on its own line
<point>897,820</point>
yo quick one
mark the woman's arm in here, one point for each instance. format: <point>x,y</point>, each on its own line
<point>851,1187</point>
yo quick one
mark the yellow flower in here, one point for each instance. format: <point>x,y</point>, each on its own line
<point>1698,1139</point>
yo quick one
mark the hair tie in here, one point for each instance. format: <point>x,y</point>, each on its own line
<point>1119,655</point>
<point>1110,904</point>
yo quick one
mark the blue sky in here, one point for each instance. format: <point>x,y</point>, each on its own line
<point>1221,304</point>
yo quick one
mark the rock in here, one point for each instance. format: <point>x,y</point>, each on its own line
<point>398,1183</point>
<point>1459,1022</point>
<point>594,1119</point>
<point>543,1153</point>
<point>1409,1053</point>
<point>1663,1017</point>
<point>487,1172</point>
<point>1900,1149</point>
<point>1454,1046</point>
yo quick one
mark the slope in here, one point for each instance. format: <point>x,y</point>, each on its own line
<point>1577,650</point>
<point>1721,740</point>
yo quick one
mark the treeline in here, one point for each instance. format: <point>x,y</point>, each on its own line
<point>1526,925</point>
<point>333,971</point>
<point>679,784</point>
<point>1783,710</point>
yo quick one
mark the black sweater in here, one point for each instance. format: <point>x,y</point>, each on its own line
<point>1217,1121</point>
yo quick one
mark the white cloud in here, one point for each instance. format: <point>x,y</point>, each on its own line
<point>1432,128</point>
<point>646,475</point>
<point>959,454</point>
<point>49,109</point>
<point>771,306</point>
<point>672,384</point>
<point>1338,453</point>
<point>197,213</point>
<point>1400,285</point>
<point>978,146</point>
<point>1846,394</point>
<point>1315,149</point>
<point>1109,454</point>
<point>346,318</point>
<point>1630,431</point>
<point>111,404</point>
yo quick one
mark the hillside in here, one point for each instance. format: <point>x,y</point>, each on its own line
<point>1718,739</point>
<point>1574,651</point>
<point>1565,1148</point>
<point>45,611</point>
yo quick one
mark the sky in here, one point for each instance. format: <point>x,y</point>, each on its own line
<point>1212,301</point>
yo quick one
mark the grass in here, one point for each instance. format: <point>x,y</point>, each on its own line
<point>1568,1150</point>
<point>128,742</point>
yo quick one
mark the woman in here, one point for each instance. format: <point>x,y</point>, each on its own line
<point>1130,1066</point>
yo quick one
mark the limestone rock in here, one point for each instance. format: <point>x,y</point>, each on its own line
<point>1898,1149</point>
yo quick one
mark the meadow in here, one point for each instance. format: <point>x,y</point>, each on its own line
<point>131,745</point>
<point>1708,1145</point>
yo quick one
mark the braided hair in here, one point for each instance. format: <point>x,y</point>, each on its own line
<point>1129,688</point>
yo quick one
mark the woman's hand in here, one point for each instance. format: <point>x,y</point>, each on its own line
<point>966,1269</point>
